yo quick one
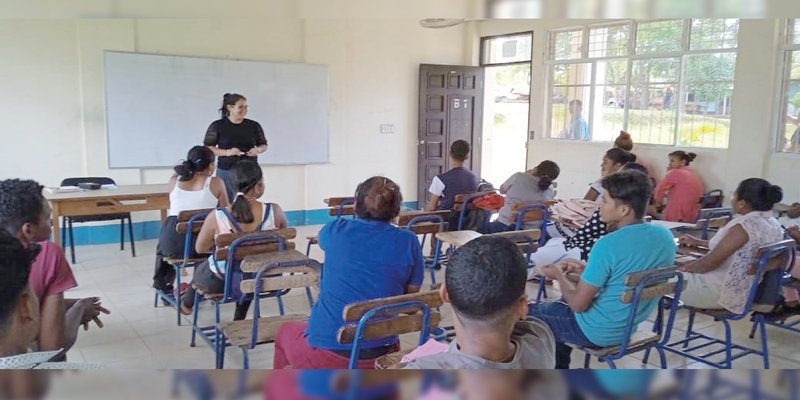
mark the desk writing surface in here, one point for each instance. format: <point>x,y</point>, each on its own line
<point>120,191</point>
<point>458,238</point>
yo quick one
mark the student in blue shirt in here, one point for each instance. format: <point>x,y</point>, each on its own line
<point>590,313</point>
<point>365,258</point>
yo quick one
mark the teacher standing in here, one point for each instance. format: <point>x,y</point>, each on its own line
<point>234,138</point>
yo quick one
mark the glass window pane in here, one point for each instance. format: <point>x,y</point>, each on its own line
<point>568,113</point>
<point>652,113</point>
<point>609,112</point>
<point>572,74</point>
<point>611,72</point>
<point>705,121</point>
<point>794,34</point>
<point>609,41</point>
<point>655,70</point>
<point>507,49</point>
<point>710,67</point>
<point>789,140</point>
<point>714,34</point>
<point>566,45</point>
<point>659,36</point>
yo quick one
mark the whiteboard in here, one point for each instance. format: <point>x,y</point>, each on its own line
<point>158,107</point>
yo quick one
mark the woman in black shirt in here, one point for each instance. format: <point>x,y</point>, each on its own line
<point>233,138</point>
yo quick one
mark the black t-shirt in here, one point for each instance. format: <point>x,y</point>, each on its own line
<point>226,135</point>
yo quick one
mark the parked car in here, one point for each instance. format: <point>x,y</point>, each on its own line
<point>513,95</point>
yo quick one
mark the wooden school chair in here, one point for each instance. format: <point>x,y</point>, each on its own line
<point>769,258</point>
<point>710,220</point>
<point>787,322</point>
<point>528,242</point>
<point>526,213</point>
<point>712,199</point>
<point>233,248</point>
<point>337,207</point>
<point>386,317</point>
<point>643,286</point>
<point>66,222</point>
<point>463,203</point>
<point>274,272</point>
<point>426,223</point>
<point>189,224</point>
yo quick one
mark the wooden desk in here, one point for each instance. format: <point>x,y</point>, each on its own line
<point>107,201</point>
<point>458,238</point>
<point>673,225</point>
<point>692,251</point>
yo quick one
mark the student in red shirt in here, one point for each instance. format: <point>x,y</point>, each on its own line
<point>25,214</point>
<point>683,187</point>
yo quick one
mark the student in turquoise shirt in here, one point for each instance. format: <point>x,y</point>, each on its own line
<point>590,312</point>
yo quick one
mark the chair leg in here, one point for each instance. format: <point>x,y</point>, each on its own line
<point>122,234</point>
<point>310,297</point>
<point>279,298</point>
<point>130,233</point>
<point>728,349</point>
<point>155,303</point>
<point>433,276</point>
<point>753,330</point>
<point>611,364</point>
<point>646,356</point>
<point>71,241</point>
<point>194,317</point>
<point>765,349</point>
<point>663,356</point>
<point>689,328</point>
<point>64,232</point>
<point>219,339</point>
<point>308,248</point>
<point>586,360</point>
<point>246,358</point>
<point>177,293</point>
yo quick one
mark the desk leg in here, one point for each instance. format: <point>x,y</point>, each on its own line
<point>56,223</point>
<point>163,216</point>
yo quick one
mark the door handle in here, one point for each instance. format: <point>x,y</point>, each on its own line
<point>421,142</point>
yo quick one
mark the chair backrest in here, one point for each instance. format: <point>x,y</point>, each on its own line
<point>713,219</point>
<point>387,317</point>
<point>74,181</point>
<point>191,220</point>
<point>247,244</point>
<point>286,275</point>
<point>527,240</point>
<point>649,285</point>
<point>340,206</point>
<point>772,262</point>
<point>465,202</point>
<point>425,224</point>
<point>405,217</point>
<point>712,199</point>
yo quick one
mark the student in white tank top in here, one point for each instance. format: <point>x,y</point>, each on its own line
<point>191,188</point>
<point>245,215</point>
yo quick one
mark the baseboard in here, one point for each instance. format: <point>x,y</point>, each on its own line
<point>110,233</point>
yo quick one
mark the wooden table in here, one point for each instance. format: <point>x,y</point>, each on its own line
<point>107,201</point>
<point>457,238</point>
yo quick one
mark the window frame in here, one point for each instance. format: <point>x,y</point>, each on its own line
<point>485,39</point>
<point>784,78</point>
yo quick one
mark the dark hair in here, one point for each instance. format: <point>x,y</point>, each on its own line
<point>246,175</point>
<point>378,198</point>
<point>619,156</point>
<point>459,150</point>
<point>547,171</point>
<point>229,99</point>
<point>632,188</point>
<point>760,194</point>
<point>687,157</point>
<point>485,277</point>
<point>632,166</point>
<point>575,101</point>
<point>624,141</point>
<point>20,202</point>
<point>15,266</point>
<point>198,159</point>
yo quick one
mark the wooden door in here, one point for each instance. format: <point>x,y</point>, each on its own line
<point>450,108</point>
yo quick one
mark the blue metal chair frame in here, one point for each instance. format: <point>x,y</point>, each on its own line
<point>259,278</point>
<point>212,335</point>
<point>663,331</point>
<point>437,253</point>
<point>788,281</point>
<point>339,214</point>
<point>468,199</point>
<point>709,217</point>
<point>520,222</point>
<point>542,292</point>
<point>710,194</point>
<point>187,251</point>
<point>768,253</point>
<point>362,322</point>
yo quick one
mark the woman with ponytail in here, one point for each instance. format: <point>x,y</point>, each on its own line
<point>683,187</point>
<point>193,187</point>
<point>234,138</point>
<point>534,186</point>
<point>365,258</point>
<point>720,279</point>
<point>613,161</point>
<point>245,215</point>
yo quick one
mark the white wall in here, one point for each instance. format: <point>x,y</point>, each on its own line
<point>54,104</point>
<point>752,123</point>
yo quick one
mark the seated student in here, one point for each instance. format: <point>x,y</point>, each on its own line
<point>683,187</point>
<point>458,180</point>
<point>613,161</point>
<point>719,280</point>
<point>245,215</point>
<point>25,214</point>
<point>485,284</point>
<point>19,307</point>
<point>525,187</point>
<point>590,313</point>
<point>365,258</point>
<point>792,217</point>
<point>625,142</point>
<point>193,187</point>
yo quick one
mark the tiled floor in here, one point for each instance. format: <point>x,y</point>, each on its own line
<point>138,336</point>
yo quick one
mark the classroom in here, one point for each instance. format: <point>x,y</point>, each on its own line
<point>390,91</point>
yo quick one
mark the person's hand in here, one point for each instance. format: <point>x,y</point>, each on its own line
<point>252,152</point>
<point>572,266</point>
<point>687,267</point>
<point>92,309</point>
<point>689,240</point>
<point>794,233</point>
<point>551,271</point>
<point>234,152</point>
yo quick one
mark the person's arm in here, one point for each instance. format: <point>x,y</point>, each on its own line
<point>433,203</point>
<point>664,186</point>
<point>591,194</point>
<point>436,190</point>
<point>219,191</point>
<point>171,185</point>
<point>52,333</point>
<point>261,142</point>
<point>579,297</point>
<point>205,239</point>
<point>734,239</point>
<point>417,268</point>
<point>280,217</point>
<point>507,184</point>
<point>211,141</point>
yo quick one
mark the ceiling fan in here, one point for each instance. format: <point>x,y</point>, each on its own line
<point>437,23</point>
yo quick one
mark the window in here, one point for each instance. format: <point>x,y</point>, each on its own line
<point>666,82</point>
<point>789,126</point>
